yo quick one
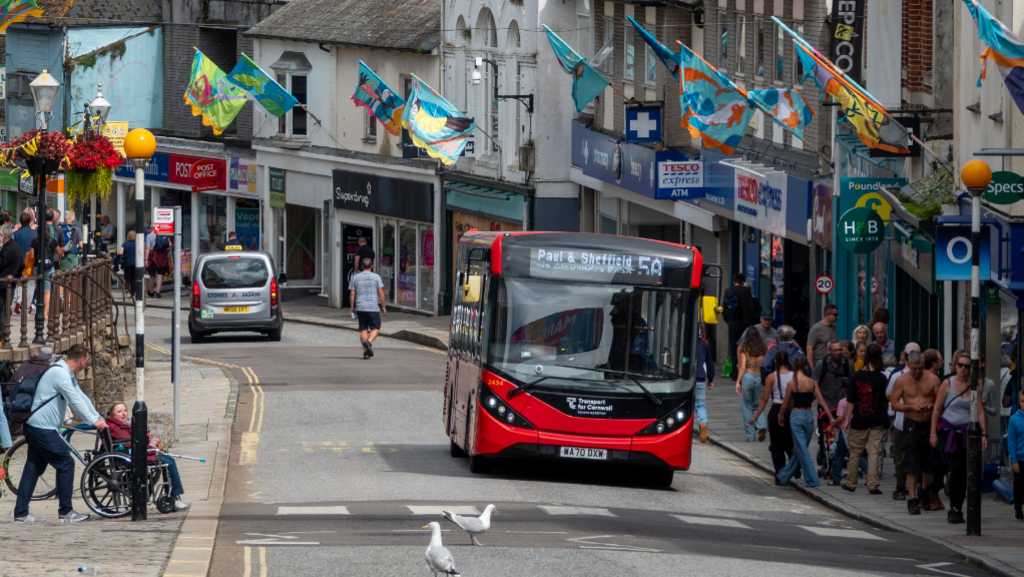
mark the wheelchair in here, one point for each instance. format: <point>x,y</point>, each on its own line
<point>106,482</point>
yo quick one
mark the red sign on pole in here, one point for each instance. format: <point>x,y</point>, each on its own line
<point>163,220</point>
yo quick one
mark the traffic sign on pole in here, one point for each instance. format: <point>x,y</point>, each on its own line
<point>824,284</point>
<point>163,220</point>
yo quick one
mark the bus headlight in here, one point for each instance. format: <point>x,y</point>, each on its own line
<point>496,407</point>
<point>669,423</point>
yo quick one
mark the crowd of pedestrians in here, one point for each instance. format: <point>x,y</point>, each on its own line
<point>867,400</point>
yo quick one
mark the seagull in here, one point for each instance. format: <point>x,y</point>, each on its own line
<point>439,559</point>
<point>473,525</point>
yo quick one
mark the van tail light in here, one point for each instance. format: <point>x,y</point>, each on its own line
<point>195,294</point>
<point>273,292</point>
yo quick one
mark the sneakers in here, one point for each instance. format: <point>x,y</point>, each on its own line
<point>29,519</point>
<point>180,505</point>
<point>912,506</point>
<point>761,434</point>
<point>369,348</point>
<point>925,502</point>
<point>1018,515</point>
<point>17,311</point>
<point>954,517</point>
<point>832,483</point>
<point>899,495</point>
<point>703,433</point>
<point>874,491</point>
<point>73,517</point>
<point>848,488</point>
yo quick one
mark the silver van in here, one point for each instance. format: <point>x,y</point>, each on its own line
<point>235,291</point>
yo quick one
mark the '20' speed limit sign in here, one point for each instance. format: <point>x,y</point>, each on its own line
<point>824,284</point>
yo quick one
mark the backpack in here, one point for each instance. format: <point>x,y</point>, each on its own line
<point>18,405</point>
<point>162,243</point>
<point>731,307</point>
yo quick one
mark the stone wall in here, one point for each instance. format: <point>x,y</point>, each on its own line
<point>115,373</point>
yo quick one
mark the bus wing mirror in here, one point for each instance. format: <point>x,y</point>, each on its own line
<point>711,310</point>
<point>471,288</point>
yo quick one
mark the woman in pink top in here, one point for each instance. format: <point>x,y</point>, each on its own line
<point>841,451</point>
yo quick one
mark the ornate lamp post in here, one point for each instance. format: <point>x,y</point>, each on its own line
<point>976,176</point>
<point>44,92</point>
<point>139,145</point>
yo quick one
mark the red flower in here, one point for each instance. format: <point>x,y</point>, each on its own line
<point>52,145</point>
<point>92,151</point>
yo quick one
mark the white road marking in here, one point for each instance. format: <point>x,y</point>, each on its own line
<point>764,547</point>
<point>708,521</point>
<point>848,533</point>
<point>933,566</point>
<point>893,558</point>
<point>588,543</point>
<point>576,511</point>
<point>313,511</point>
<point>436,510</point>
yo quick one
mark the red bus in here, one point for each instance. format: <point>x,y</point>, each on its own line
<point>569,346</point>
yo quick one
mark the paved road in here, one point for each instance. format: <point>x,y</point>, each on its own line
<point>337,462</point>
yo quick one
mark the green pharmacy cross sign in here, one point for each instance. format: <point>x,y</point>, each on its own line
<point>1006,188</point>
<point>861,230</point>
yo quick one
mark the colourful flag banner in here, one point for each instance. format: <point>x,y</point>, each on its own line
<point>785,106</point>
<point>587,82</point>
<point>714,109</point>
<point>1003,47</point>
<point>667,57</point>
<point>248,76</point>
<point>12,11</point>
<point>212,95</point>
<point>434,124</point>
<point>874,126</point>
<point>379,99</point>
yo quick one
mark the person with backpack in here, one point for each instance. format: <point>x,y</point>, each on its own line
<point>158,262</point>
<point>739,310</point>
<point>54,390</point>
<point>73,243</point>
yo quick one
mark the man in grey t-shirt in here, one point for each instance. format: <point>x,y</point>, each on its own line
<point>821,334</point>
<point>367,299</point>
<point>764,328</point>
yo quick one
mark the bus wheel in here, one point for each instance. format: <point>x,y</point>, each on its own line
<point>456,451</point>
<point>662,477</point>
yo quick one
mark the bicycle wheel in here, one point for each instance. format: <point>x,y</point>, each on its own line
<point>106,485</point>
<point>14,462</point>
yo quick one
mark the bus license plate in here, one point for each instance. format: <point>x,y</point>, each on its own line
<point>236,309</point>
<point>585,453</point>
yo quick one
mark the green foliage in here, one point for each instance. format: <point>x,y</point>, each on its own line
<point>78,187</point>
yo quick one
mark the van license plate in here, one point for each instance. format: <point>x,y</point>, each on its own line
<point>585,453</point>
<point>236,309</point>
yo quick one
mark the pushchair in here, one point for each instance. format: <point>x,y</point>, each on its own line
<point>825,441</point>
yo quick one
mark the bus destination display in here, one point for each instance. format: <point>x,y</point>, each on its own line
<point>598,266</point>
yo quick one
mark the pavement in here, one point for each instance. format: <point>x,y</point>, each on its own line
<point>176,544</point>
<point>1000,548</point>
<point>420,329</point>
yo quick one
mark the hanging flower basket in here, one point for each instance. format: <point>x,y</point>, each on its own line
<point>93,160</point>
<point>49,152</point>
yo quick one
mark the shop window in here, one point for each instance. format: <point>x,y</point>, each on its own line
<point>301,243</point>
<point>408,250</point>
<point>386,250</point>
<point>426,243</point>
<point>213,223</point>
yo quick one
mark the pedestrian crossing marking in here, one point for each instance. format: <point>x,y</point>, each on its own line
<point>313,511</point>
<point>708,521</point>
<point>436,509</point>
<point>848,533</point>
<point>576,511</point>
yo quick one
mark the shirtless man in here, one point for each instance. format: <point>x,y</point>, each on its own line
<point>912,395</point>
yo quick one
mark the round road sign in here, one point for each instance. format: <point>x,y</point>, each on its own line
<point>824,284</point>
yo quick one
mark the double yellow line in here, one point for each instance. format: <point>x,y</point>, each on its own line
<point>247,560</point>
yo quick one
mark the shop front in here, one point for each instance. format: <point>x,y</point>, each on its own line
<point>916,302</point>
<point>396,217</point>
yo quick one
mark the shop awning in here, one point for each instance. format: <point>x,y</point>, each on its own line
<point>485,200</point>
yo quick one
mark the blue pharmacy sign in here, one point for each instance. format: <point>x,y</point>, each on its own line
<point>643,125</point>
<point>953,251</point>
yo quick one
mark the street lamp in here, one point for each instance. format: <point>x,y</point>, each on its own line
<point>139,146</point>
<point>44,92</point>
<point>976,176</point>
<point>100,108</point>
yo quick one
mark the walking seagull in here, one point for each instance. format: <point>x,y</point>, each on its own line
<point>473,525</point>
<point>439,559</point>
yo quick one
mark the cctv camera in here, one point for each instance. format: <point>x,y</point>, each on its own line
<point>476,77</point>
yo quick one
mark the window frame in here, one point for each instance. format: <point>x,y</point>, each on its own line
<point>650,60</point>
<point>629,53</point>
<point>584,28</point>
<point>760,47</point>
<point>609,34</point>
<point>286,121</point>
<point>779,76</point>
<point>741,45</point>
<point>798,65</point>
<point>370,128</point>
<point>723,45</point>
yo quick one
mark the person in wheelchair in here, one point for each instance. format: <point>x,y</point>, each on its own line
<point>121,433</point>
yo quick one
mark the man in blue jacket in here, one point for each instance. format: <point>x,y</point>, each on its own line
<point>1015,446</point>
<point>705,374</point>
<point>55,390</point>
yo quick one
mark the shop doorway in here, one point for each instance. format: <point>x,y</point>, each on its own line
<point>350,234</point>
<point>301,239</point>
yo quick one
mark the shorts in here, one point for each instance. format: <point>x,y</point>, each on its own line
<point>918,453</point>
<point>46,276</point>
<point>154,270</point>
<point>368,321</point>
